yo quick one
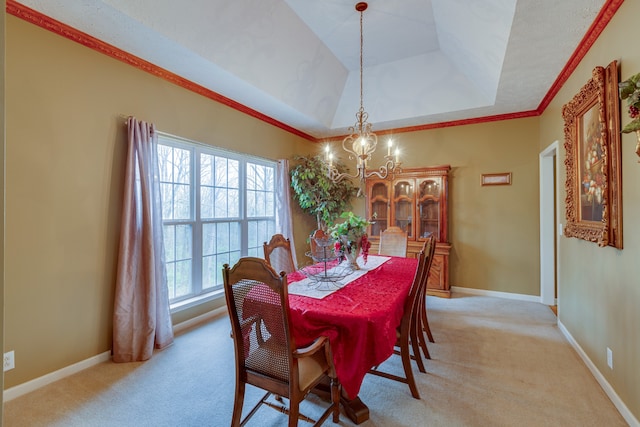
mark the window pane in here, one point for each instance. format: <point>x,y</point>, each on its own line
<point>183,278</point>
<point>169,243</point>
<point>165,163</point>
<point>260,204</point>
<point>209,271</point>
<point>270,204</point>
<point>233,174</point>
<point>182,201</point>
<point>251,204</point>
<point>167,200</point>
<point>251,176</point>
<point>183,242</point>
<point>222,237</point>
<point>221,172</point>
<point>206,169</point>
<point>206,202</point>
<point>181,166</point>
<point>235,237</point>
<point>221,210</point>
<point>208,239</point>
<point>234,203</point>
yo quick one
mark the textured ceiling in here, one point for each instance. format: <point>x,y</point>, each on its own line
<point>297,61</point>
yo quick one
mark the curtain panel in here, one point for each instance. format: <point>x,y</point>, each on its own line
<point>284,221</point>
<point>141,319</point>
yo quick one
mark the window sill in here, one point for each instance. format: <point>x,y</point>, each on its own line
<point>200,299</point>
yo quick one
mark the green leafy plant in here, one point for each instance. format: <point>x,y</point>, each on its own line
<point>630,90</point>
<point>353,227</point>
<point>351,234</point>
<point>316,194</point>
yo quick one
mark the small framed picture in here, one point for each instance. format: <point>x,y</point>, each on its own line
<point>496,178</point>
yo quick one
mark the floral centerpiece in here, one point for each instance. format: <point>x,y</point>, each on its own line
<point>351,237</point>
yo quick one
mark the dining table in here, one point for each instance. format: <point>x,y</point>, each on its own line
<point>359,315</point>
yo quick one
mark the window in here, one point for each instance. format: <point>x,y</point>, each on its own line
<point>216,207</point>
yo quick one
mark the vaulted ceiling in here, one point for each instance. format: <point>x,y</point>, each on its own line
<point>297,61</point>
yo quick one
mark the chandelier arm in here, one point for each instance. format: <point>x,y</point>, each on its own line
<point>336,176</point>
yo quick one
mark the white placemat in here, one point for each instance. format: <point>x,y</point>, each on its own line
<point>310,288</point>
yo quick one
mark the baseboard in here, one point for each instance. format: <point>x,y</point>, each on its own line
<point>209,315</point>
<point>36,383</point>
<point>497,294</point>
<point>608,389</point>
<point>29,386</point>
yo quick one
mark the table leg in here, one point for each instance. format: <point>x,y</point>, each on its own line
<point>355,409</point>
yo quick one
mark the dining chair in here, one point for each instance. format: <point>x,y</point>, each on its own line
<point>406,337</point>
<point>265,350</point>
<point>278,255</point>
<point>421,322</point>
<point>393,242</point>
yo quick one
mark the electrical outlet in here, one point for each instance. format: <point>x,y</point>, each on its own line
<point>610,358</point>
<point>9,361</point>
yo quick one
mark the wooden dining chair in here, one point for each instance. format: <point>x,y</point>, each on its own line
<point>393,242</point>
<point>265,351</point>
<point>406,338</point>
<point>421,322</point>
<point>278,255</point>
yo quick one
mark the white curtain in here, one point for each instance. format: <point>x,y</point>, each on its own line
<point>284,223</point>
<point>141,318</point>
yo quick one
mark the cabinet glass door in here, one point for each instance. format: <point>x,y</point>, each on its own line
<point>403,206</point>
<point>429,208</point>
<point>379,213</point>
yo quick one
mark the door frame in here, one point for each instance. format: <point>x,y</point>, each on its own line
<point>549,191</point>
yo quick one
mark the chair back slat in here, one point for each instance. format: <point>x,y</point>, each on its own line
<point>278,255</point>
<point>393,242</point>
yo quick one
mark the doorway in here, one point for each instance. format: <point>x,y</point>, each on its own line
<point>548,219</point>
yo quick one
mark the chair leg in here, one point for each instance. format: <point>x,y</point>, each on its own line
<point>406,363</point>
<point>335,399</point>
<point>420,332</point>
<point>294,412</point>
<point>238,401</point>
<point>425,321</point>
<point>415,341</point>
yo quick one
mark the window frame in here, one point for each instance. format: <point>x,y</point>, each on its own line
<point>197,292</point>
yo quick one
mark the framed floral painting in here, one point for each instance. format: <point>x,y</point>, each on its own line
<point>592,144</point>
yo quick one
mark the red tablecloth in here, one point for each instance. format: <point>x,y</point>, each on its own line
<point>359,319</point>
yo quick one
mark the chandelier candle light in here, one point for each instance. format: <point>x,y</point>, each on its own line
<point>362,142</point>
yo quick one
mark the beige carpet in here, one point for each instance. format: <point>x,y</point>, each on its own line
<point>495,362</point>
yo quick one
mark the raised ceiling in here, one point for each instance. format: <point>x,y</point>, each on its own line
<point>297,61</point>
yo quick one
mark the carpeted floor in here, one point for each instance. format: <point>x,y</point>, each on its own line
<point>495,362</point>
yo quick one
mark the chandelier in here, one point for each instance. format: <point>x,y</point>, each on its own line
<point>362,142</point>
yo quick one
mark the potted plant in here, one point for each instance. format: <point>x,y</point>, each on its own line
<point>316,194</point>
<point>351,237</point>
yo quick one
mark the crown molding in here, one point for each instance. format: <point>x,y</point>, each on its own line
<point>34,17</point>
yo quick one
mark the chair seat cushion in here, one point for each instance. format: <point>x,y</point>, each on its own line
<point>271,359</point>
<point>311,369</point>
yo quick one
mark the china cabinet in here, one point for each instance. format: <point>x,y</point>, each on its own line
<point>416,201</point>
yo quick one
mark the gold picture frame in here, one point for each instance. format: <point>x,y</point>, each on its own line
<point>495,179</point>
<point>592,144</point>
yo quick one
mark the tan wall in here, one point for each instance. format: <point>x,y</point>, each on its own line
<point>599,296</point>
<point>66,144</point>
